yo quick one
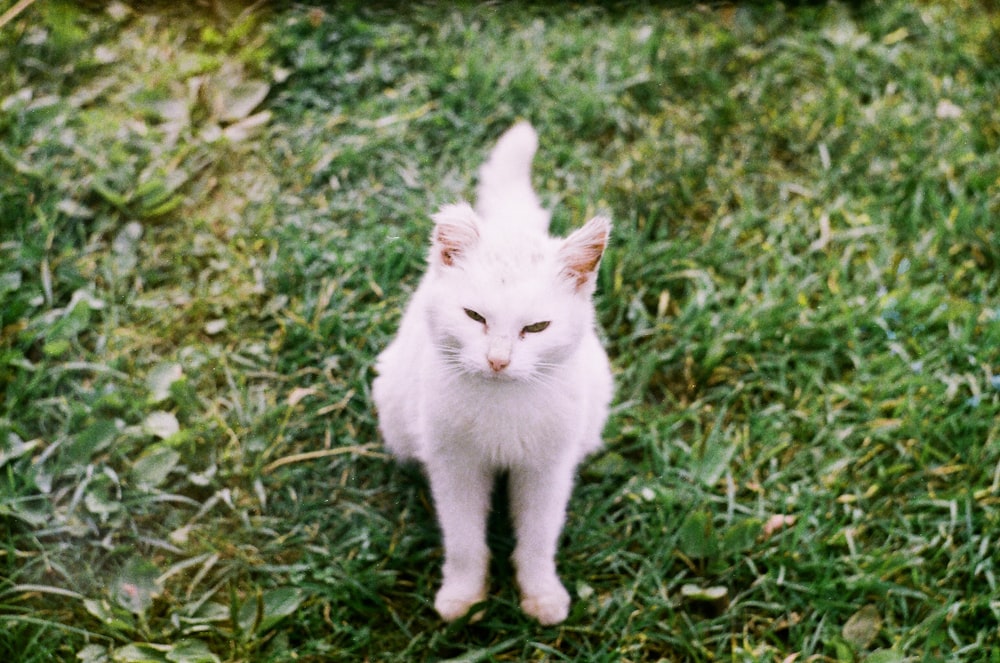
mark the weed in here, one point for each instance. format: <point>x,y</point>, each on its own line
<point>208,228</point>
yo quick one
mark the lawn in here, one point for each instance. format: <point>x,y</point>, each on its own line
<point>211,218</point>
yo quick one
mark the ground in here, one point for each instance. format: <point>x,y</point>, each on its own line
<point>210,220</point>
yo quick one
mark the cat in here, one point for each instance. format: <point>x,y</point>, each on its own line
<point>497,367</point>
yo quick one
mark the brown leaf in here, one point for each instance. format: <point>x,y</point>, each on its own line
<point>777,522</point>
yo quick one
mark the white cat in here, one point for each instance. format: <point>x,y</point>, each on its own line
<point>497,367</point>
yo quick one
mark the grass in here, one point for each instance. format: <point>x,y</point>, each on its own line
<point>209,225</point>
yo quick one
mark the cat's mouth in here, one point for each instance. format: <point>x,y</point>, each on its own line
<point>499,377</point>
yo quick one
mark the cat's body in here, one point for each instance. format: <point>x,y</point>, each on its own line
<point>497,367</point>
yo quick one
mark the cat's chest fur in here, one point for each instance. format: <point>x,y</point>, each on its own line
<point>504,423</point>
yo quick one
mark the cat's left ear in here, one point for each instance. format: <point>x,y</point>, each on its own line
<point>455,232</point>
<point>581,252</point>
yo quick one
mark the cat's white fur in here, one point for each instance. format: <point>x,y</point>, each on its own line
<point>470,398</point>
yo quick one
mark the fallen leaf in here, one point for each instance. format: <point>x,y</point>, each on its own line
<point>10,282</point>
<point>160,379</point>
<point>161,424</point>
<point>777,522</point>
<point>74,209</point>
<point>298,394</point>
<point>191,651</point>
<point>895,36</point>
<point>152,468</point>
<point>137,586</point>
<point>863,627</point>
<point>946,110</point>
<point>696,593</point>
<point>239,101</point>
<point>247,127</point>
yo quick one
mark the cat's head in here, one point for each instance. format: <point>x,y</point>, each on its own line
<point>510,304</point>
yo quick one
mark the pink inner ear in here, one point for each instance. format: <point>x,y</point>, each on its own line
<point>455,232</point>
<point>450,247</point>
<point>585,258</point>
<point>581,254</point>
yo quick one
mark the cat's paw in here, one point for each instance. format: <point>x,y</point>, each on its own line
<point>454,602</point>
<point>549,608</point>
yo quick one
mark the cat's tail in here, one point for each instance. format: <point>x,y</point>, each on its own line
<point>505,192</point>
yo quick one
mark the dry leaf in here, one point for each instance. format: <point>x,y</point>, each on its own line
<point>777,522</point>
<point>946,110</point>
<point>298,394</point>
<point>246,128</point>
<point>863,627</point>
<point>240,101</point>
<point>161,424</point>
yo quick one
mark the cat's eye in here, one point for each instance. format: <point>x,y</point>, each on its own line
<point>535,328</point>
<point>475,316</point>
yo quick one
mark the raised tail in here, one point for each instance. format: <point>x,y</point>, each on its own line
<point>505,193</point>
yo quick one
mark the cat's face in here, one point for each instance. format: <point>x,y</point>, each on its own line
<point>510,308</point>
<point>501,326</point>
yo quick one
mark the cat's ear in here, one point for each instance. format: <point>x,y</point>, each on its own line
<point>581,252</point>
<point>455,232</point>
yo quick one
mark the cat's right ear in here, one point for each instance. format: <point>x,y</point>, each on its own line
<point>455,232</point>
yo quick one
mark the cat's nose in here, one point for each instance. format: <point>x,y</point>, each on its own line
<point>498,363</point>
<point>498,353</point>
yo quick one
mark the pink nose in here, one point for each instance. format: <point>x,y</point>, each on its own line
<point>498,364</point>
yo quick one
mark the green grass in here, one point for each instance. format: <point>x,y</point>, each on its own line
<point>801,301</point>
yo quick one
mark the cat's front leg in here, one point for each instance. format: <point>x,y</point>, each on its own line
<point>538,505</point>
<point>462,499</point>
